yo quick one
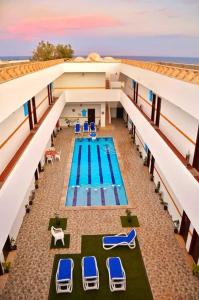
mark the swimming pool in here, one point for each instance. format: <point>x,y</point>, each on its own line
<point>95,177</point>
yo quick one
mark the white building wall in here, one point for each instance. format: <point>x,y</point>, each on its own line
<point>174,208</point>
<point>180,93</point>
<point>182,120</point>
<point>41,101</point>
<point>185,122</point>
<point>179,179</point>
<point>9,209</point>
<point>22,211</point>
<point>73,112</point>
<point>7,127</point>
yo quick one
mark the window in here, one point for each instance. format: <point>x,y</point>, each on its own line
<point>25,109</point>
<point>150,96</point>
<point>146,148</point>
<point>133,84</point>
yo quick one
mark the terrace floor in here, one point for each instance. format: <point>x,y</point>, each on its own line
<point>168,269</point>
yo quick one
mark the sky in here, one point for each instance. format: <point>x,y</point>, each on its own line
<point>109,27</point>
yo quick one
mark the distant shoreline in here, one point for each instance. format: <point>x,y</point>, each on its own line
<point>180,60</point>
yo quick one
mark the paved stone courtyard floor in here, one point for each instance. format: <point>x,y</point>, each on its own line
<point>166,263</point>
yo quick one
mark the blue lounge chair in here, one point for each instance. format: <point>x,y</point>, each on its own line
<point>64,276</point>
<point>122,239</point>
<point>117,276</point>
<point>90,273</point>
<point>85,127</point>
<point>92,127</point>
<point>77,128</point>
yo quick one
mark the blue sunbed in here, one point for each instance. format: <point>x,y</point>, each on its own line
<point>92,127</point>
<point>85,127</point>
<point>77,128</point>
<point>64,276</point>
<point>90,273</point>
<point>122,239</point>
<point>117,276</point>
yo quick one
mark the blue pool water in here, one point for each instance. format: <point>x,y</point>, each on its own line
<point>95,177</point>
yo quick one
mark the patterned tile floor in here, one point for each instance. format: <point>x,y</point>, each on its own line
<point>166,263</point>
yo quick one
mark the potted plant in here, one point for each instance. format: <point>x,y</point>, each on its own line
<point>27,207</point>
<point>57,219</point>
<point>161,197</point>
<point>157,189</point>
<point>30,202</point>
<point>145,161</point>
<point>165,205</point>
<point>195,270</point>
<point>67,122</point>
<point>128,215</point>
<point>6,266</point>
<point>32,196</point>
<point>176,224</point>
<point>36,184</point>
<point>151,177</point>
<point>13,245</point>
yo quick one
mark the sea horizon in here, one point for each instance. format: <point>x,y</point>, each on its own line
<point>173,59</point>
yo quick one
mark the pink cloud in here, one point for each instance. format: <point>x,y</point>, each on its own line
<point>57,26</point>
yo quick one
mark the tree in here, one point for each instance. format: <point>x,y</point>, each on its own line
<point>44,51</point>
<point>48,51</point>
<point>63,51</point>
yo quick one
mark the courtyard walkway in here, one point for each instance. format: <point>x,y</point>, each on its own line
<point>166,263</point>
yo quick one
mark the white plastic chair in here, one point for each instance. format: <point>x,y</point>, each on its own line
<point>49,158</point>
<point>58,155</point>
<point>58,234</point>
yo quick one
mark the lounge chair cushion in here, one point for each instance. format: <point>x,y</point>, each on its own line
<point>89,267</point>
<point>113,240</point>
<point>85,126</point>
<point>64,272</point>
<point>115,268</point>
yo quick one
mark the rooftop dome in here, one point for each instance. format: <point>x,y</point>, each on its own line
<point>94,57</point>
<point>79,58</point>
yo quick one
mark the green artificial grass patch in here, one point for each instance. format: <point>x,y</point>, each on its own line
<point>53,222</point>
<point>59,243</point>
<point>138,287</point>
<point>133,223</point>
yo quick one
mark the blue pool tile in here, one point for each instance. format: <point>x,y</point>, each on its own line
<point>95,177</point>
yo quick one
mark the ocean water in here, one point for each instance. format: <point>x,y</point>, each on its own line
<point>7,58</point>
<point>182,60</point>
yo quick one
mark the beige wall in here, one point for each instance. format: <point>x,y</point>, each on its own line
<point>68,112</point>
<point>82,80</point>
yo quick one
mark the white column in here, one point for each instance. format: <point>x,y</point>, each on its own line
<point>103,114</point>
